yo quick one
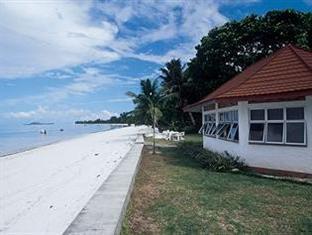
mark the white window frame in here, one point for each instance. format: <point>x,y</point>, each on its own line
<point>236,130</point>
<point>266,121</point>
<point>296,121</point>
<point>282,121</point>
<point>215,126</point>
<point>212,131</point>
<point>208,125</point>
<point>231,122</point>
<point>202,129</point>
<point>264,131</point>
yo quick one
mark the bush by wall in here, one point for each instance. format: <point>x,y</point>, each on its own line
<point>211,160</point>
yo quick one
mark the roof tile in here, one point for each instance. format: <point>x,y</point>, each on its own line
<point>285,71</point>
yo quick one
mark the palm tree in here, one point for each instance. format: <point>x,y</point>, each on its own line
<point>172,76</point>
<point>147,103</point>
<point>173,83</point>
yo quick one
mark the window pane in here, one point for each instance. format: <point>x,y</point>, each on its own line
<point>223,133</point>
<point>275,132</point>
<point>207,129</point>
<point>219,128</point>
<point>295,132</point>
<point>236,137</point>
<point>206,118</point>
<point>256,131</point>
<point>227,116</point>
<point>295,113</point>
<point>213,117</point>
<point>234,129</point>
<point>236,116</point>
<point>213,129</point>
<point>221,117</point>
<point>275,114</point>
<point>257,114</point>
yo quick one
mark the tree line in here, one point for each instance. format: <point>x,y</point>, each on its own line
<point>224,52</point>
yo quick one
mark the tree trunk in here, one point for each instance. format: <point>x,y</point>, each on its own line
<point>154,124</point>
<point>192,118</point>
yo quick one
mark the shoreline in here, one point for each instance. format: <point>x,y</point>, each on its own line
<point>26,149</point>
<point>52,183</point>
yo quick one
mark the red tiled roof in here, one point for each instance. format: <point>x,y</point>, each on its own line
<point>287,73</point>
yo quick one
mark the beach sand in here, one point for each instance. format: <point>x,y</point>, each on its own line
<point>43,190</point>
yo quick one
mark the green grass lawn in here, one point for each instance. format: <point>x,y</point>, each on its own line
<point>174,195</point>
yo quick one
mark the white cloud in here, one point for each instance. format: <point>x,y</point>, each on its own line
<point>199,18</point>
<point>120,100</point>
<point>46,113</point>
<point>38,36</point>
<point>189,20</point>
<point>90,81</point>
<point>182,51</point>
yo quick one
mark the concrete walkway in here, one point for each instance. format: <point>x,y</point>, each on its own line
<point>104,213</point>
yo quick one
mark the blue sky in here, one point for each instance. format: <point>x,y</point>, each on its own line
<point>69,60</point>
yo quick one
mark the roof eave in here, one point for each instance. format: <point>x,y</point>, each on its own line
<point>284,96</point>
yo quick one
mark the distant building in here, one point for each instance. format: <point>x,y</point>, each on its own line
<point>264,114</point>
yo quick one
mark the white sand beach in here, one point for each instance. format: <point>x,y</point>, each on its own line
<point>42,190</point>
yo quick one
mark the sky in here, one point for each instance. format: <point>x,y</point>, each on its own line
<point>75,60</point>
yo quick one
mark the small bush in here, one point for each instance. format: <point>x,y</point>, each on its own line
<point>211,160</point>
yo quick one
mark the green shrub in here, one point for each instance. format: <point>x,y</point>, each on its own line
<point>209,159</point>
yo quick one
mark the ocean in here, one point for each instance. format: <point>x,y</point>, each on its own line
<point>20,137</point>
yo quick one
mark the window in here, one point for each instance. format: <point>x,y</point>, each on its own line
<point>212,131</point>
<point>295,114</point>
<point>209,124</point>
<point>227,128</point>
<point>275,114</point>
<point>275,125</point>
<point>202,129</point>
<point>257,114</point>
<point>256,132</point>
<point>209,107</point>
<point>295,126</point>
<point>295,132</point>
<point>233,135</point>
<point>275,132</point>
<point>278,126</point>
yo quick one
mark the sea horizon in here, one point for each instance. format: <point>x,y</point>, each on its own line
<point>19,137</point>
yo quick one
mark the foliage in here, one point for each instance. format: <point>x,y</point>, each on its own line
<point>220,55</point>
<point>124,118</point>
<point>148,99</point>
<point>229,49</point>
<point>172,87</point>
<point>209,159</point>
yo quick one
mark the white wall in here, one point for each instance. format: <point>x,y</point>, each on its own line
<point>282,157</point>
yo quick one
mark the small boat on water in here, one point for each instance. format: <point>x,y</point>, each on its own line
<point>43,131</point>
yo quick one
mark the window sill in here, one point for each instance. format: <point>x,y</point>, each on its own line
<point>277,144</point>
<point>211,136</point>
<point>233,141</point>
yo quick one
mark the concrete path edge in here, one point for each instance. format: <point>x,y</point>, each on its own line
<point>105,211</point>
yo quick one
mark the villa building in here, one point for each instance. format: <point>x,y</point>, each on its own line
<point>264,114</point>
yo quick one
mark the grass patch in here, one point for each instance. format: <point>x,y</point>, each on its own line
<point>175,195</point>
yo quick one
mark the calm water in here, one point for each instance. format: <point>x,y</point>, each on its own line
<point>16,138</point>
